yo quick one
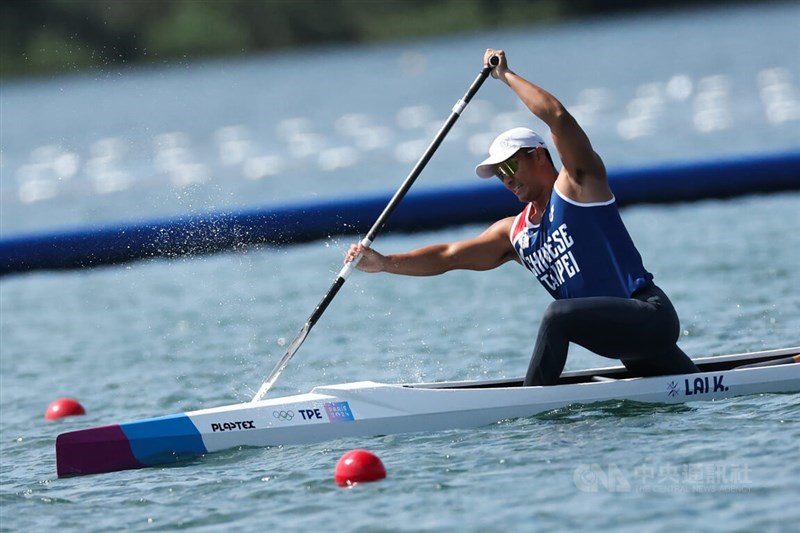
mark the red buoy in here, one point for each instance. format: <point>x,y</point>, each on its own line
<point>63,407</point>
<point>358,466</point>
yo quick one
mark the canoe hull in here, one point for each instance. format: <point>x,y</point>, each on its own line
<point>367,409</point>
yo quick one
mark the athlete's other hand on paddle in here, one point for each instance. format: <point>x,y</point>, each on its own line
<point>500,70</point>
<point>371,261</point>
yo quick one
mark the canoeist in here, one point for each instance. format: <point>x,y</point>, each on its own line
<point>571,237</point>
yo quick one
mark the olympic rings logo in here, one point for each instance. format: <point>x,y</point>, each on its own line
<point>283,415</point>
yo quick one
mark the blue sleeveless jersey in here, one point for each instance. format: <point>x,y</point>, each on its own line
<point>580,250</point>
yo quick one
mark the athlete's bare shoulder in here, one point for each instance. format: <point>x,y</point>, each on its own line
<point>501,228</point>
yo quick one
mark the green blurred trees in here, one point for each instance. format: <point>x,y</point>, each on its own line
<point>67,35</point>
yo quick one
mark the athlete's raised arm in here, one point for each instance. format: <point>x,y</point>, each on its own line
<point>582,165</point>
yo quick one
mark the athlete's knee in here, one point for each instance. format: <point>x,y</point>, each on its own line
<point>557,312</point>
<point>661,363</point>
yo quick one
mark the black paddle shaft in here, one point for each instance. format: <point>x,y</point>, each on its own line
<point>417,170</point>
<point>377,227</point>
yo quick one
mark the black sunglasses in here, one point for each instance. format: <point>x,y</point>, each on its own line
<point>509,167</point>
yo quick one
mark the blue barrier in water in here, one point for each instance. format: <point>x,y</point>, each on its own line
<point>422,210</point>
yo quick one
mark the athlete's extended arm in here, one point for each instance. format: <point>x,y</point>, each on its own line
<point>488,250</point>
<point>574,148</point>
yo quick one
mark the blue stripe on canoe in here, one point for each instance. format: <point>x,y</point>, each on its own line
<point>164,439</point>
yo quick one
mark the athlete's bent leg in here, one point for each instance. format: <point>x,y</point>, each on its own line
<point>641,331</point>
<point>552,345</point>
<point>672,361</point>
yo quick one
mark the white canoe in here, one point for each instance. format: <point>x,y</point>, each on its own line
<point>367,408</point>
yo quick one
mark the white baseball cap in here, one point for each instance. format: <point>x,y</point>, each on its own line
<point>505,145</point>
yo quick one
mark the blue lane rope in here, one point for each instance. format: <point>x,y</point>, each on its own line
<point>423,210</point>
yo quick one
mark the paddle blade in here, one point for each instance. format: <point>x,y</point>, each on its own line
<point>273,376</point>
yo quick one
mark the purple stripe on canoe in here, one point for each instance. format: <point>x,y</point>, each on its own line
<point>95,450</point>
